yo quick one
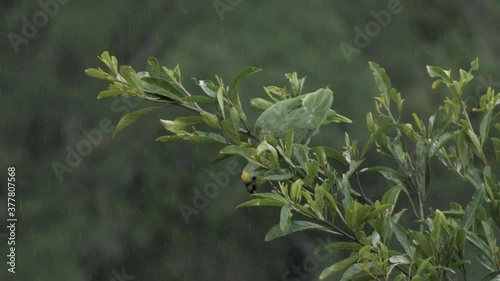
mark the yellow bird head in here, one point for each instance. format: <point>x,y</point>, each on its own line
<point>250,177</point>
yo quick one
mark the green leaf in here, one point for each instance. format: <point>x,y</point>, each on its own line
<point>261,202</point>
<point>260,104</point>
<point>341,246</point>
<point>484,127</point>
<point>492,276</point>
<point>235,96</point>
<point>400,259</point>
<point>402,237</point>
<point>438,72</point>
<point>295,193</point>
<point>356,273</point>
<point>180,123</point>
<point>286,218</point>
<point>422,168</point>
<point>131,77</point>
<point>265,146</point>
<point>208,88</point>
<point>99,74</point>
<point>471,209</point>
<point>295,226</point>
<point>110,62</point>
<point>333,117</point>
<point>154,66</point>
<point>200,137</point>
<point>388,173</point>
<point>339,266</point>
<point>422,243</point>
<point>332,153</point>
<point>110,93</point>
<point>210,119</point>
<point>474,65</point>
<point>277,174</point>
<point>381,79</point>
<point>199,99</point>
<point>240,77</point>
<point>496,147</point>
<point>237,150</point>
<point>220,100</point>
<point>235,118</point>
<point>129,118</point>
<point>161,87</point>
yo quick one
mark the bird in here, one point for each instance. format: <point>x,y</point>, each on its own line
<point>303,114</point>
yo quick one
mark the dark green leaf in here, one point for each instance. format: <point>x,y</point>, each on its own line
<point>471,209</point>
<point>296,226</point>
<point>199,99</point>
<point>402,237</point>
<point>129,118</point>
<point>286,218</point>
<point>261,202</point>
<point>339,266</point>
<point>161,87</point>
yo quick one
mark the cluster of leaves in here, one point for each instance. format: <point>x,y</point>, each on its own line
<point>315,182</point>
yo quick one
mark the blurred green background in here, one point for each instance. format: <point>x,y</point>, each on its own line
<point>117,210</point>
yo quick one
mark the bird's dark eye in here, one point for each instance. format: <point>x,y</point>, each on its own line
<point>254,178</point>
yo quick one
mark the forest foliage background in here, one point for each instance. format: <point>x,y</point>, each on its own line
<point>117,209</point>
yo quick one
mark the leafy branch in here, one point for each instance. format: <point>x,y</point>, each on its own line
<point>315,182</point>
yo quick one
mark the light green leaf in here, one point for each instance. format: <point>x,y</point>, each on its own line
<point>474,65</point>
<point>99,74</point>
<point>260,104</point>
<point>208,88</point>
<point>131,77</point>
<point>333,117</point>
<point>438,72</point>
<point>154,66</point>
<point>180,123</point>
<point>381,79</point>
<point>210,119</point>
